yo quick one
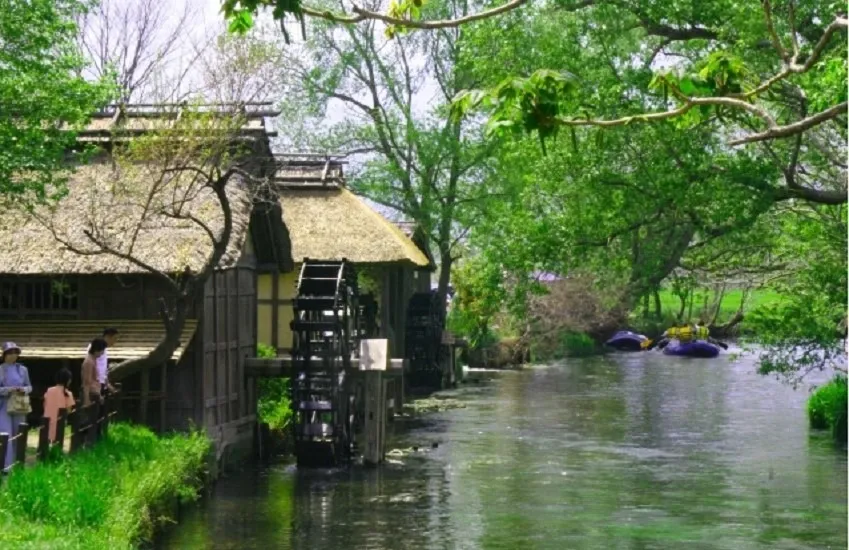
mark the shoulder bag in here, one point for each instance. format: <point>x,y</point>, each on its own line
<point>18,403</point>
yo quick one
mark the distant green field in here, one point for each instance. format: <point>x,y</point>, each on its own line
<point>670,304</point>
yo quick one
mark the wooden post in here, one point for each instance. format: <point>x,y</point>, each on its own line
<point>375,417</point>
<point>61,422</point>
<point>145,394</point>
<point>76,433</point>
<point>106,411</point>
<point>43,439</point>
<point>374,358</point>
<point>163,390</point>
<point>21,443</point>
<point>4,444</point>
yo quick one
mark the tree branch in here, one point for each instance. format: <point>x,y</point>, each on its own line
<point>363,14</point>
<point>794,128</point>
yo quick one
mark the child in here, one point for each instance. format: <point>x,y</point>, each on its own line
<point>58,397</point>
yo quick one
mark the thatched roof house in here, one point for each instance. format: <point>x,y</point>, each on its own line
<point>334,224</point>
<point>326,221</point>
<point>110,201</point>
<point>59,286</point>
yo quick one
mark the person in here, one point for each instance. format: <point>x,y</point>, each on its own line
<point>58,397</point>
<point>14,379</point>
<point>110,336</point>
<point>685,333</point>
<point>92,390</point>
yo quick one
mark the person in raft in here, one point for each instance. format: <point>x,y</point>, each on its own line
<point>91,385</point>
<point>684,334</point>
<point>14,380</point>
<point>58,397</point>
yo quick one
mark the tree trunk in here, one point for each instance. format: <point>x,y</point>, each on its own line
<point>658,314</point>
<point>174,322</point>
<point>445,264</point>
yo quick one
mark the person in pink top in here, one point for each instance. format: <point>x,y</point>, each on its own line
<point>58,397</point>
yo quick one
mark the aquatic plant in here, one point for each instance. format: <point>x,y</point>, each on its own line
<point>827,408</point>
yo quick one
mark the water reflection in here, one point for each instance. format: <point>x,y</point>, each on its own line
<point>622,452</point>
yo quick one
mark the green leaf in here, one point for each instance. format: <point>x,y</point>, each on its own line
<point>241,22</point>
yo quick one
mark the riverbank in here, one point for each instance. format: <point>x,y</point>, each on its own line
<point>115,495</point>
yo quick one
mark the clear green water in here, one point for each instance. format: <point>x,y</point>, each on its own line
<point>621,452</point>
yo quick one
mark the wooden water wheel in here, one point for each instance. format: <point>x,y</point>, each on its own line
<point>325,327</point>
<point>427,356</point>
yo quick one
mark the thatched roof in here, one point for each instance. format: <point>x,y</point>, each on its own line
<point>112,202</point>
<point>333,223</point>
<point>116,122</point>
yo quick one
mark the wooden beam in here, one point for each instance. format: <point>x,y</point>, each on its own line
<point>284,366</point>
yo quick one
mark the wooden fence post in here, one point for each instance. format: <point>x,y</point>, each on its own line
<point>76,434</point>
<point>4,444</point>
<point>61,423</point>
<point>106,411</point>
<point>21,443</point>
<point>43,439</point>
<point>375,416</point>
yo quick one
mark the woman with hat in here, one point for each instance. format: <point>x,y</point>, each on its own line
<point>14,381</point>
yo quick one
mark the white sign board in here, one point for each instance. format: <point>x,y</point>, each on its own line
<point>374,354</point>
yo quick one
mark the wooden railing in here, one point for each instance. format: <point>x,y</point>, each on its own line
<point>88,425</point>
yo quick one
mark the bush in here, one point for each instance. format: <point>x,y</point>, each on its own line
<point>111,496</point>
<point>577,344</point>
<point>565,344</point>
<point>273,402</point>
<point>827,408</point>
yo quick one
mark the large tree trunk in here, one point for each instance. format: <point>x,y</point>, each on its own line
<point>174,321</point>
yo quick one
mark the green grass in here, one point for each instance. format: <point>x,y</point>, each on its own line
<point>730,301</point>
<point>114,495</point>
<point>670,305</point>
<point>827,408</point>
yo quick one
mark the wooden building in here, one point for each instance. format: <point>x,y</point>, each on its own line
<point>326,221</point>
<point>53,301</point>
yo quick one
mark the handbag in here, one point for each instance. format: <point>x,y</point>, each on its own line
<point>18,403</point>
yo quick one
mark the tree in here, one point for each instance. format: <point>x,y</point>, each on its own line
<point>135,43</point>
<point>414,159</point>
<point>41,95</point>
<point>194,172</point>
<point>184,183</point>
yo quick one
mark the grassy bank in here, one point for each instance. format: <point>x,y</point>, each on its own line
<point>827,408</point>
<point>113,496</point>
<point>702,302</point>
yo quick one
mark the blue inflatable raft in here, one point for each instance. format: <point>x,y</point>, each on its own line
<point>625,340</point>
<point>696,348</point>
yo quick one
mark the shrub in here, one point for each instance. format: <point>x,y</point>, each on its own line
<point>827,408</point>
<point>273,401</point>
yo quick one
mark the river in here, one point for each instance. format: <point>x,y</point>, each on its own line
<point>636,451</point>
